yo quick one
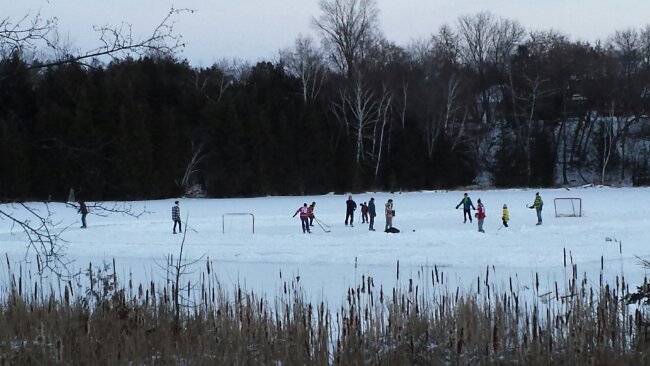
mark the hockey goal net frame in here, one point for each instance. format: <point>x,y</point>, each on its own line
<point>223,219</point>
<point>576,205</point>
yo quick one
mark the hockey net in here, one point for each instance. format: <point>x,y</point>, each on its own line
<point>568,207</point>
<point>238,222</point>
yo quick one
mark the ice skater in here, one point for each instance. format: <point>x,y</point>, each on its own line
<point>505,217</point>
<point>389,214</point>
<point>480,215</point>
<point>467,204</point>
<point>176,217</point>
<point>537,205</point>
<point>83,210</point>
<point>311,213</point>
<point>304,217</point>
<point>364,213</point>
<point>349,210</point>
<point>372,213</point>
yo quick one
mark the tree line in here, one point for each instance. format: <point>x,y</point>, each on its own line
<point>482,101</point>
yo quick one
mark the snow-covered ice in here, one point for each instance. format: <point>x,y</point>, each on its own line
<point>433,233</point>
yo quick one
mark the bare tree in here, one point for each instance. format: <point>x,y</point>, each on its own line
<point>607,130</point>
<point>176,270</point>
<point>25,34</point>
<point>628,44</point>
<point>534,90</point>
<point>216,80</point>
<point>44,233</point>
<point>196,156</point>
<point>477,33</point>
<point>357,109</point>
<point>384,117</point>
<point>644,39</point>
<point>306,63</point>
<point>506,36</point>
<point>348,28</point>
<point>443,111</point>
<point>447,45</point>
<point>33,32</point>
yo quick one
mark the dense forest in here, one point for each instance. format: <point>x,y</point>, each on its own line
<point>482,101</point>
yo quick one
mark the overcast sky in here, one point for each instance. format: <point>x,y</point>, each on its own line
<point>256,29</point>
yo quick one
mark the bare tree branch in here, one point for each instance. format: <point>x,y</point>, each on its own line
<point>33,32</point>
<point>43,235</point>
<point>104,209</point>
<point>25,34</point>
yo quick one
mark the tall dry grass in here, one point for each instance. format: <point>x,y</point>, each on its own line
<point>102,321</point>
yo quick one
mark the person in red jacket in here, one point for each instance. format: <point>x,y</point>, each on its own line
<point>364,213</point>
<point>480,215</point>
<point>304,218</point>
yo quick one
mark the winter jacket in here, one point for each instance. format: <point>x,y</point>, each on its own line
<point>176,213</point>
<point>310,211</point>
<point>538,203</point>
<point>304,212</point>
<point>364,208</point>
<point>82,208</point>
<point>480,214</point>
<point>371,209</point>
<point>466,202</point>
<point>506,215</point>
<point>351,205</point>
<point>389,209</point>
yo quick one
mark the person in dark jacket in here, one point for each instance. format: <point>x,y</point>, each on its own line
<point>176,217</point>
<point>349,212</point>
<point>311,213</point>
<point>372,212</point>
<point>83,210</point>
<point>467,204</point>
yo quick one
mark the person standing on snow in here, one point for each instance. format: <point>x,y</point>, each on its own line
<point>176,217</point>
<point>364,213</point>
<point>372,213</point>
<point>480,215</point>
<point>304,218</point>
<point>505,217</point>
<point>83,210</point>
<point>537,205</point>
<point>311,213</point>
<point>389,214</point>
<point>349,212</point>
<point>466,202</point>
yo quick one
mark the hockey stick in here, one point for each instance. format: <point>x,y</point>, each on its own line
<point>320,222</point>
<point>321,226</point>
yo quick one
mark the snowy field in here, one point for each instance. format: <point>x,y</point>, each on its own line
<point>433,234</point>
